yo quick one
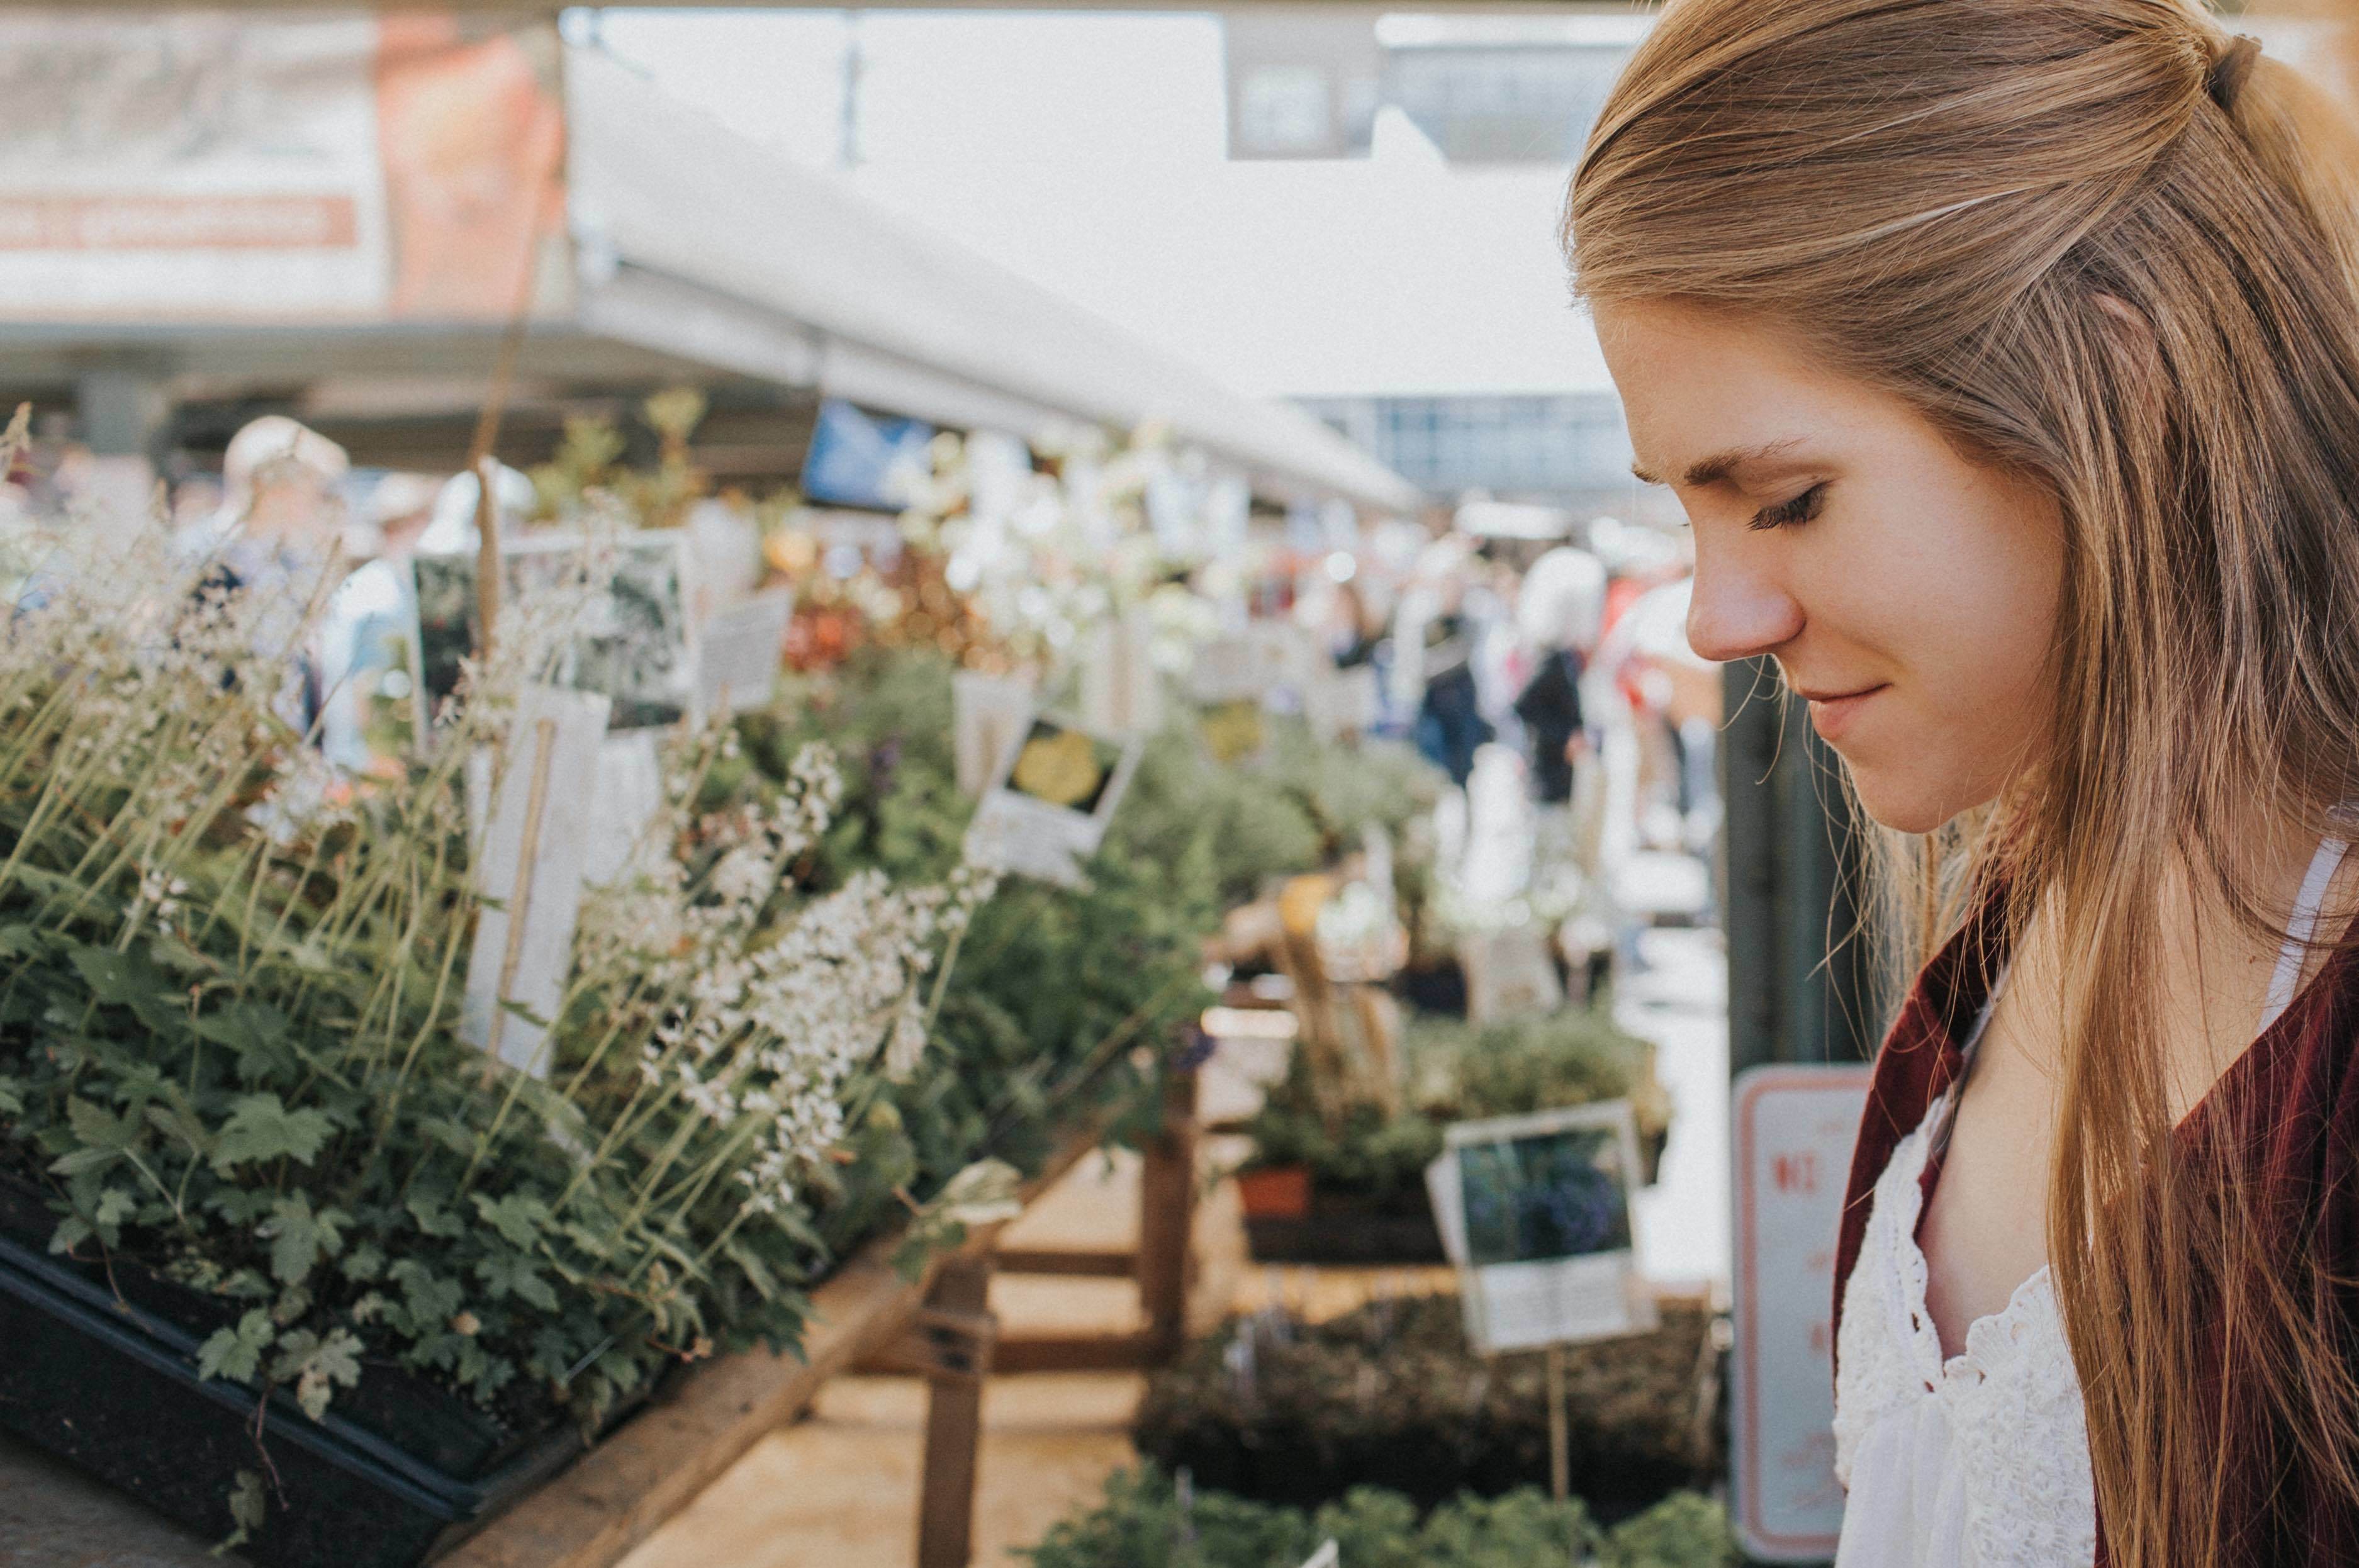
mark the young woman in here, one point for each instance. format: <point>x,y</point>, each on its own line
<point>2005,354</point>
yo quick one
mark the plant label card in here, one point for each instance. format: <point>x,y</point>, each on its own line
<point>1329,1555</point>
<point>724,548</point>
<point>625,797</point>
<point>1337,703</point>
<point>1289,660</point>
<point>989,714</point>
<point>529,867</point>
<point>1509,974</point>
<point>1535,1212</point>
<point>739,650</point>
<point>1229,670</point>
<point>629,639</point>
<point>1052,799</point>
<point>1120,691</point>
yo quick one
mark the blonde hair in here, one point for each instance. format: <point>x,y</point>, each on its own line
<point>2098,245</point>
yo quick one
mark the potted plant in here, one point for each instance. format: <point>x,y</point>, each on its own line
<point>280,1250</point>
<point>1365,1168</point>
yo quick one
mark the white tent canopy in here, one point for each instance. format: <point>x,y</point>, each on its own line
<point>820,283</point>
<point>342,248</point>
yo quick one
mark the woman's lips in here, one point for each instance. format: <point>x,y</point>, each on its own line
<point>1833,711</point>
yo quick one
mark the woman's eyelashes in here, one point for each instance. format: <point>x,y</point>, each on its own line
<point>1801,508</point>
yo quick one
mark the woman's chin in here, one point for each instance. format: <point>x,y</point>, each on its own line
<point>1901,804</point>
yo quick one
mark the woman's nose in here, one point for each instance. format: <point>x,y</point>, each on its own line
<point>1739,612</point>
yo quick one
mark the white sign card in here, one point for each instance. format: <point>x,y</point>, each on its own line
<point>1508,974</point>
<point>989,714</point>
<point>1289,658</point>
<point>1051,800</point>
<point>625,799</point>
<point>1229,670</point>
<point>1329,1555</point>
<point>1792,1136</point>
<point>724,546</point>
<point>1119,688</point>
<point>1338,703</point>
<point>738,652</point>
<point>529,865</point>
<point>1535,1212</point>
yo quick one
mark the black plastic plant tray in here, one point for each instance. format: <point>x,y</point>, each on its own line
<point>1337,1234</point>
<point>111,1387</point>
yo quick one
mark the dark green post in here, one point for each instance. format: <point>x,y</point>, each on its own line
<point>1801,986</point>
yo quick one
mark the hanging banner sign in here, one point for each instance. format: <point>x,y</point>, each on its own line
<point>1794,1127</point>
<point>350,168</point>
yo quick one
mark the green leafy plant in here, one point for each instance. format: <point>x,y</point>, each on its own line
<point>1288,1412</point>
<point>1192,838</point>
<point>1458,1071</point>
<point>230,1053</point>
<point>1148,1521</point>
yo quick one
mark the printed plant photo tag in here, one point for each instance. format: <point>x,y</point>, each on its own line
<point>1237,734</point>
<point>1535,1213</point>
<point>630,643</point>
<point>1052,799</point>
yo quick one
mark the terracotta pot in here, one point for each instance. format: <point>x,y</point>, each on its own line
<point>1277,1192</point>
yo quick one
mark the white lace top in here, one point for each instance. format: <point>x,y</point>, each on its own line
<point>1980,1460</point>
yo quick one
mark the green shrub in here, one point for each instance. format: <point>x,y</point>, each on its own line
<point>1293,1412</point>
<point>1192,838</point>
<point>1146,1521</point>
<point>1458,1071</point>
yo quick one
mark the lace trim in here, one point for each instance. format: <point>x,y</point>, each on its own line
<point>2010,1398</point>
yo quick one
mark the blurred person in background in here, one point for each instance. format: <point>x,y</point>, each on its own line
<point>279,534</point>
<point>1433,651</point>
<point>1559,612</point>
<point>282,503</point>
<point>364,641</point>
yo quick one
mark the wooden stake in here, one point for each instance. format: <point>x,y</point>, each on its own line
<point>955,1423</point>
<point>519,908</point>
<point>480,461</point>
<point>1560,1439</point>
<point>1167,1218</point>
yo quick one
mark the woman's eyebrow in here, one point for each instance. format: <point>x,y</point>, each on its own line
<point>1721,464</point>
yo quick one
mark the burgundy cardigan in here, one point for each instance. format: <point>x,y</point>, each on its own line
<point>2296,1131</point>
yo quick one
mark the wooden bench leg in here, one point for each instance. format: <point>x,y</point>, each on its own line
<point>1167,1216</point>
<point>958,1330</point>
